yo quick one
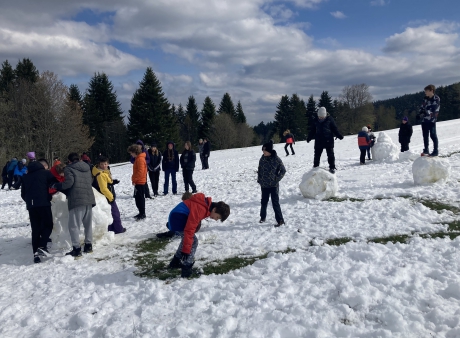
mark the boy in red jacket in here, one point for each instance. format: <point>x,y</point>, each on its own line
<point>185,220</point>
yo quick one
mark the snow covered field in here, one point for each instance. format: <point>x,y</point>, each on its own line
<point>358,289</point>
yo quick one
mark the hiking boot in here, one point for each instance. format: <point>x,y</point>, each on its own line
<point>280,223</point>
<point>140,217</point>
<point>362,163</point>
<point>167,234</point>
<point>262,220</point>
<point>293,153</point>
<point>175,263</point>
<point>76,252</point>
<point>37,258</point>
<point>426,152</point>
<point>186,270</point>
<point>88,248</point>
<point>434,153</point>
<point>43,252</point>
<point>287,154</point>
<point>332,170</point>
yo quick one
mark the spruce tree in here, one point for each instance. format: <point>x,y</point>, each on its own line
<point>150,117</point>
<point>226,106</point>
<point>208,113</point>
<point>283,116</point>
<point>240,117</point>
<point>26,70</point>
<point>102,112</point>
<point>6,76</point>
<point>193,118</point>
<point>75,95</point>
<point>326,101</point>
<point>299,126</point>
<point>311,110</point>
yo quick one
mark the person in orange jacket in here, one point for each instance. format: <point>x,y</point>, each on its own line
<point>139,178</point>
<point>364,142</point>
<point>185,220</point>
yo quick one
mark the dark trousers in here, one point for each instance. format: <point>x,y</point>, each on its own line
<point>206,161</point>
<point>146,189</point>
<point>172,173</point>
<point>369,153</point>
<point>362,157</point>
<point>274,192</point>
<point>286,150</point>
<point>139,196</point>
<point>116,226</point>
<point>202,161</point>
<point>188,179</point>
<point>330,157</point>
<point>429,129</point>
<point>4,181</point>
<point>41,222</point>
<point>18,182</point>
<point>404,146</point>
<point>10,178</point>
<point>154,179</point>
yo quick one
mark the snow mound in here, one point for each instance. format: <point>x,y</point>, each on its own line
<point>102,217</point>
<point>384,149</point>
<point>409,155</point>
<point>430,170</point>
<point>319,184</point>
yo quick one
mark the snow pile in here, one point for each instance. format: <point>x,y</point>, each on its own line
<point>102,217</point>
<point>409,155</point>
<point>430,170</point>
<point>384,149</point>
<point>319,184</point>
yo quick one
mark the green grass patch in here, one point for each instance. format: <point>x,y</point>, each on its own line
<point>338,241</point>
<point>439,206</point>
<point>451,235</point>
<point>392,239</point>
<point>450,154</point>
<point>454,226</point>
<point>340,199</point>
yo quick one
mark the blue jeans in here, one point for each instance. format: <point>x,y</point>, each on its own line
<point>429,129</point>
<point>172,173</point>
<point>274,192</point>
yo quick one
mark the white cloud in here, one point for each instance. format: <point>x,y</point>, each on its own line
<point>379,3</point>
<point>338,15</point>
<point>330,42</point>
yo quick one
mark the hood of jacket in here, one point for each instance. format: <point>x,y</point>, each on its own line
<point>201,199</point>
<point>80,166</point>
<point>170,142</point>
<point>35,166</point>
<point>96,171</point>
<point>139,142</point>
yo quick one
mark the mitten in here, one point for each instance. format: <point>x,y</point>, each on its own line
<point>115,182</point>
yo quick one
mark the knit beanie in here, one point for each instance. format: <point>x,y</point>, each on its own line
<point>24,161</point>
<point>365,129</point>
<point>405,118</point>
<point>268,146</point>
<point>322,112</point>
<point>31,155</point>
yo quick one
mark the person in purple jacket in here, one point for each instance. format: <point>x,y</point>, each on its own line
<point>147,159</point>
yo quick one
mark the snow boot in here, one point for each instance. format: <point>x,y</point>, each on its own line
<point>186,270</point>
<point>425,152</point>
<point>43,252</point>
<point>167,234</point>
<point>37,258</point>
<point>262,220</point>
<point>434,153</point>
<point>332,170</point>
<point>279,224</point>
<point>88,248</point>
<point>175,263</point>
<point>76,252</point>
<point>140,217</point>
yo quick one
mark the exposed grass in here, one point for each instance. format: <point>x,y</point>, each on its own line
<point>340,199</point>
<point>338,241</point>
<point>439,206</point>
<point>450,154</point>
<point>392,239</point>
<point>454,226</point>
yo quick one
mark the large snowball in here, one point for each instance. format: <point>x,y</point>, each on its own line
<point>319,184</point>
<point>102,217</point>
<point>384,149</point>
<point>410,155</point>
<point>430,170</point>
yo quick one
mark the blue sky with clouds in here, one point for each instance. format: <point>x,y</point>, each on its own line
<point>257,50</point>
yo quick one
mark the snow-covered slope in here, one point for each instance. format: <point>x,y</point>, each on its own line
<point>354,290</point>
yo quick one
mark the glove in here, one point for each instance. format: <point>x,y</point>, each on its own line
<point>111,202</point>
<point>341,137</point>
<point>115,182</point>
<point>308,140</point>
<point>184,257</point>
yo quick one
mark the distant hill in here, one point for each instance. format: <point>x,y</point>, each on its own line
<point>408,104</point>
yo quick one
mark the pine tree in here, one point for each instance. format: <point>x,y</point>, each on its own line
<point>226,106</point>
<point>101,111</point>
<point>311,110</point>
<point>326,101</point>
<point>283,116</point>
<point>208,113</point>
<point>6,76</point>
<point>150,117</point>
<point>299,126</point>
<point>26,70</point>
<point>240,117</point>
<point>75,95</point>
<point>192,120</point>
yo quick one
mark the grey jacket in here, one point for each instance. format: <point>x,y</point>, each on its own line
<point>78,185</point>
<point>271,171</point>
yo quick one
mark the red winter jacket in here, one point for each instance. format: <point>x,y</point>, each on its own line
<point>58,177</point>
<point>199,206</point>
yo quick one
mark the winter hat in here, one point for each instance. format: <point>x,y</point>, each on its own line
<point>365,129</point>
<point>31,155</point>
<point>153,145</point>
<point>24,160</point>
<point>405,118</point>
<point>322,112</point>
<point>268,146</point>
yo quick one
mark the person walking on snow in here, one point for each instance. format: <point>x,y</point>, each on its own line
<point>270,172</point>
<point>187,163</point>
<point>147,160</point>
<point>405,133</point>
<point>78,186</point>
<point>170,165</point>
<point>364,142</point>
<point>289,141</point>
<point>139,179</point>
<point>154,167</point>
<point>323,131</point>
<point>185,220</point>
<point>429,111</point>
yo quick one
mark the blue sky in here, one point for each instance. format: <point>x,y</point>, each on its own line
<point>257,50</point>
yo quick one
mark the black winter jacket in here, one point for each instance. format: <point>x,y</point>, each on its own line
<point>324,132</point>
<point>155,161</point>
<point>166,164</point>
<point>271,170</point>
<point>207,149</point>
<point>187,160</point>
<point>35,186</point>
<point>405,132</point>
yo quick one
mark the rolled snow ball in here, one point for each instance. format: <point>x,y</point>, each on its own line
<point>319,184</point>
<point>428,170</point>
<point>409,155</point>
<point>384,149</point>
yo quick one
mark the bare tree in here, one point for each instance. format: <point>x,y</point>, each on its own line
<point>246,136</point>
<point>357,108</point>
<point>223,132</point>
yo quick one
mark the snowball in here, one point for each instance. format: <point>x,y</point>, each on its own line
<point>409,155</point>
<point>102,217</point>
<point>430,170</point>
<point>384,149</point>
<point>319,184</point>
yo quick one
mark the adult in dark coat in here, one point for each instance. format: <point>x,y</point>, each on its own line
<point>405,133</point>
<point>78,186</point>
<point>5,174</point>
<point>187,163</point>
<point>35,193</point>
<point>147,160</point>
<point>154,167</point>
<point>323,131</point>
<point>206,152</point>
<point>170,165</point>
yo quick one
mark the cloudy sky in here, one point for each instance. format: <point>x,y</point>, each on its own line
<point>257,50</point>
